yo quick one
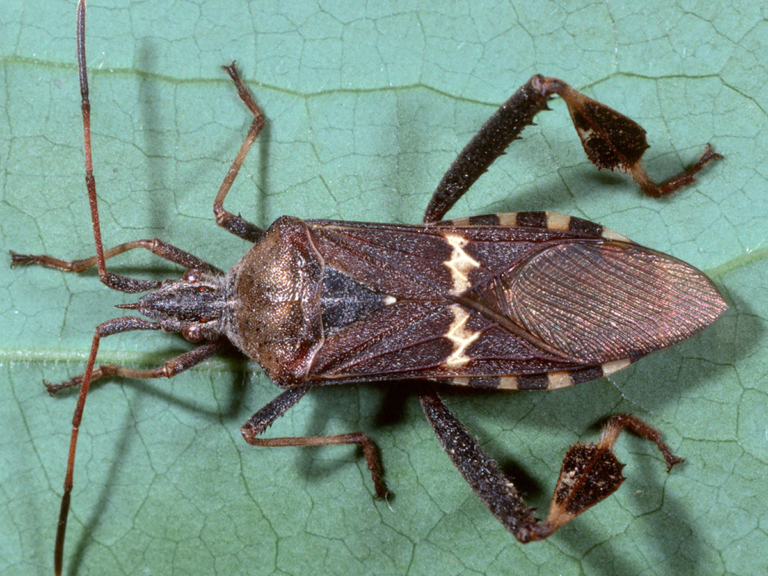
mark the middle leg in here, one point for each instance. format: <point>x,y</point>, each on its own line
<point>158,247</point>
<point>264,418</point>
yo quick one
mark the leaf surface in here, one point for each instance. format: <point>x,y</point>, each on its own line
<point>367,105</point>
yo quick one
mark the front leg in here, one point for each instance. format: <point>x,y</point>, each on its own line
<point>236,224</point>
<point>610,139</point>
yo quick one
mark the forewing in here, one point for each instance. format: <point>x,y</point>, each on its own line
<point>468,302</point>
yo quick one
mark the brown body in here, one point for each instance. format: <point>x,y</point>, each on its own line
<point>505,302</point>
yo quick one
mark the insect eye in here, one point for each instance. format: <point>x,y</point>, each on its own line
<point>192,333</point>
<point>191,276</point>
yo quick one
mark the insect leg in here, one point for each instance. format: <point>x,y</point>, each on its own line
<point>237,225</point>
<point>168,369</point>
<point>589,474</point>
<point>489,143</point>
<point>262,419</point>
<point>615,142</point>
<point>610,139</point>
<point>156,246</point>
<point>482,473</point>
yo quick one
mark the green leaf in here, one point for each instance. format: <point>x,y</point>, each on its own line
<point>367,104</point>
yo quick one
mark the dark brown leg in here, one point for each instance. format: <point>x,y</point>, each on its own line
<point>610,139</point>
<point>260,421</point>
<point>590,473</point>
<point>156,246</point>
<point>489,143</point>
<point>236,224</point>
<point>615,142</point>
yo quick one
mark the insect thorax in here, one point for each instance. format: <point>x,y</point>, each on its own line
<point>274,313</point>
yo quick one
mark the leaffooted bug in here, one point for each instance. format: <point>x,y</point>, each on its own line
<point>531,300</point>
